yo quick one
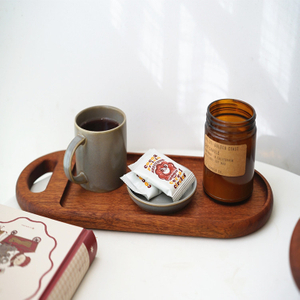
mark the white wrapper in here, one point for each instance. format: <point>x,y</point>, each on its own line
<point>140,185</point>
<point>164,173</point>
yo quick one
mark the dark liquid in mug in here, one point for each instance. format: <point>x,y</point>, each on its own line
<point>102,124</point>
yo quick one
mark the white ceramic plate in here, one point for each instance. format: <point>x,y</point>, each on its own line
<point>162,204</point>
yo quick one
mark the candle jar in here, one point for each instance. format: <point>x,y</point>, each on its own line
<point>229,150</point>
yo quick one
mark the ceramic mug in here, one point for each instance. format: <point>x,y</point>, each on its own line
<point>100,149</point>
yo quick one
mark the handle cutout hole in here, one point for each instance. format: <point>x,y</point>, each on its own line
<point>41,183</point>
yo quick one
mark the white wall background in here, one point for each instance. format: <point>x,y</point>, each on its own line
<point>162,62</point>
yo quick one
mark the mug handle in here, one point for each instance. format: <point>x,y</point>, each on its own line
<point>75,143</point>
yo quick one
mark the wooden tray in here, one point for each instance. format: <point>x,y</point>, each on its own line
<point>202,217</point>
<point>295,254</point>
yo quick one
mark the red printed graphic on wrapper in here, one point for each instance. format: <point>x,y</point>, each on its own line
<point>165,170</point>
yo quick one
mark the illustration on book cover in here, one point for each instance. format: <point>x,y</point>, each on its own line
<point>25,252</point>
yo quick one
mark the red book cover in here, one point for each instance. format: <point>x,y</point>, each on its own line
<point>41,258</point>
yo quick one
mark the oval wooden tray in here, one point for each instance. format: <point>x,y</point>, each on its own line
<point>202,217</point>
<point>295,254</point>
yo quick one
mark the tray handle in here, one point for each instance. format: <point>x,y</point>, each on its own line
<point>52,162</point>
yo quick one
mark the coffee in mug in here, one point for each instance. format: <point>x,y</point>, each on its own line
<point>100,124</point>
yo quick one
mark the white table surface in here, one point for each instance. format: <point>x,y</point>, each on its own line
<point>148,266</point>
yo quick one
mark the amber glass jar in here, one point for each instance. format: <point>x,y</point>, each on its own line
<point>229,150</point>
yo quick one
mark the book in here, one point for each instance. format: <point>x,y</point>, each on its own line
<point>41,258</point>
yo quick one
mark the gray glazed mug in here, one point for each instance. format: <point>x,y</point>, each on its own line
<point>101,156</point>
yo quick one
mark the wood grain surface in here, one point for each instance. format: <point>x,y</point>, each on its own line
<point>202,217</point>
<point>295,254</point>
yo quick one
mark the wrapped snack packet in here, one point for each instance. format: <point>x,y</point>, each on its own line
<point>140,185</point>
<point>164,173</point>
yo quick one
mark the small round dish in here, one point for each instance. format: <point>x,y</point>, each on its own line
<point>162,204</point>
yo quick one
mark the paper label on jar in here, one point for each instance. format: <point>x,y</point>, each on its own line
<point>223,159</point>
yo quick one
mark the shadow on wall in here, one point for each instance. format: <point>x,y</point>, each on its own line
<point>170,59</point>
<point>199,53</point>
<point>278,152</point>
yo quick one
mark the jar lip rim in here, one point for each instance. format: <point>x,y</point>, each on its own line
<point>248,120</point>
